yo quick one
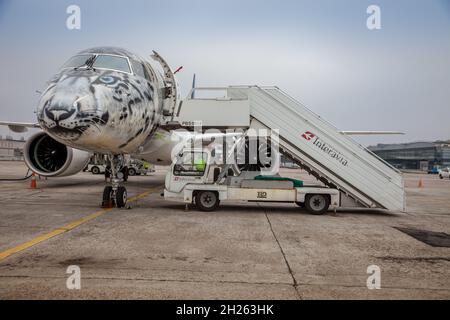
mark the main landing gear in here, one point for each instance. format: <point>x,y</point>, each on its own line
<point>115,195</point>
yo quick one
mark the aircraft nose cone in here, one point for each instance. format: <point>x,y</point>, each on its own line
<point>65,115</point>
<point>60,110</point>
<point>72,117</point>
<point>73,111</point>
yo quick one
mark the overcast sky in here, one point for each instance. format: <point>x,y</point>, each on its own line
<point>319,51</point>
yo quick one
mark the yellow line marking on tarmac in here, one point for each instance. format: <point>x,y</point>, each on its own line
<point>67,227</point>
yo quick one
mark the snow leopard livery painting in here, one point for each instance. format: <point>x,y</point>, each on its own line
<point>104,100</point>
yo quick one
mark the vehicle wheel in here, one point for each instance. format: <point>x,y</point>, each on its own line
<point>121,197</point>
<point>300,204</point>
<point>317,203</point>
<point>131,172</point>
<point>441,177</point>
<point>107,201</point>
<point>207,200</point>
<point>95,170</point>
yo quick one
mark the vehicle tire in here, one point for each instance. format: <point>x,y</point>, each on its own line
<point>300,204</point>
<point>441,177</point>
<point>317,204</point>
<point>121,197</point>
<point>207,200</point>
<point>131,171</point>
<point>95,170</point>
<point>107,200</point>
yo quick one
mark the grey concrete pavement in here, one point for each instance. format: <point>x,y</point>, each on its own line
<point>157,250</point>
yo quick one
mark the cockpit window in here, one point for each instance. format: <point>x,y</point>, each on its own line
<point>140,69</point>
<point>77,61</point>
<point>112,62</point>
<point>102,61</point>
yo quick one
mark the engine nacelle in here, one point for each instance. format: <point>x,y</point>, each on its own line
<point>49,158</point>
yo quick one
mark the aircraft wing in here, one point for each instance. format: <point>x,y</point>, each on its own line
<point>19,126</point>
<point>363,133</point>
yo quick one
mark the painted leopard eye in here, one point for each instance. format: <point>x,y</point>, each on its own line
<point>108,79</point>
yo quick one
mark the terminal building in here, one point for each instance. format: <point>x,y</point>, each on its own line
<point>422,156</point>
<point>11,149</point>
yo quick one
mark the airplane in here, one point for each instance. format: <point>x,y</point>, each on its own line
<point>105,100</point>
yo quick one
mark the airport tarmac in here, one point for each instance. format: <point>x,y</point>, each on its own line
<point>158,250</point>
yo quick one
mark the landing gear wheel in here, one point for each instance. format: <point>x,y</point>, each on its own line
<point>107,201</point>
<point>317,204</point>
<point>95,170</point>
<point>121,197</point>
<point>207,201</point>
<point>131,172</point>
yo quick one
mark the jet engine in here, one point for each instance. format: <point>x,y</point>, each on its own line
<point>49,158</point>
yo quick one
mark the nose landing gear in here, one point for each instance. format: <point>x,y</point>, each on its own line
<point>115,195</point>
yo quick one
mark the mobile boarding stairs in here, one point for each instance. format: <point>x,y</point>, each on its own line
<point>335,159</point>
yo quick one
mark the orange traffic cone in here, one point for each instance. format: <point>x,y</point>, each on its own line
<point>420,184</point>
<point>33,181</point>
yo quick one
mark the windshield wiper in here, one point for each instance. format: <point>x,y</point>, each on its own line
<point>89,63</point>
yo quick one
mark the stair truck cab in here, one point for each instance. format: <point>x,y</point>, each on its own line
<point>193,179</point>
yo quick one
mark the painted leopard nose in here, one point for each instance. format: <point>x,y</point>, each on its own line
<point>59,113</point>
